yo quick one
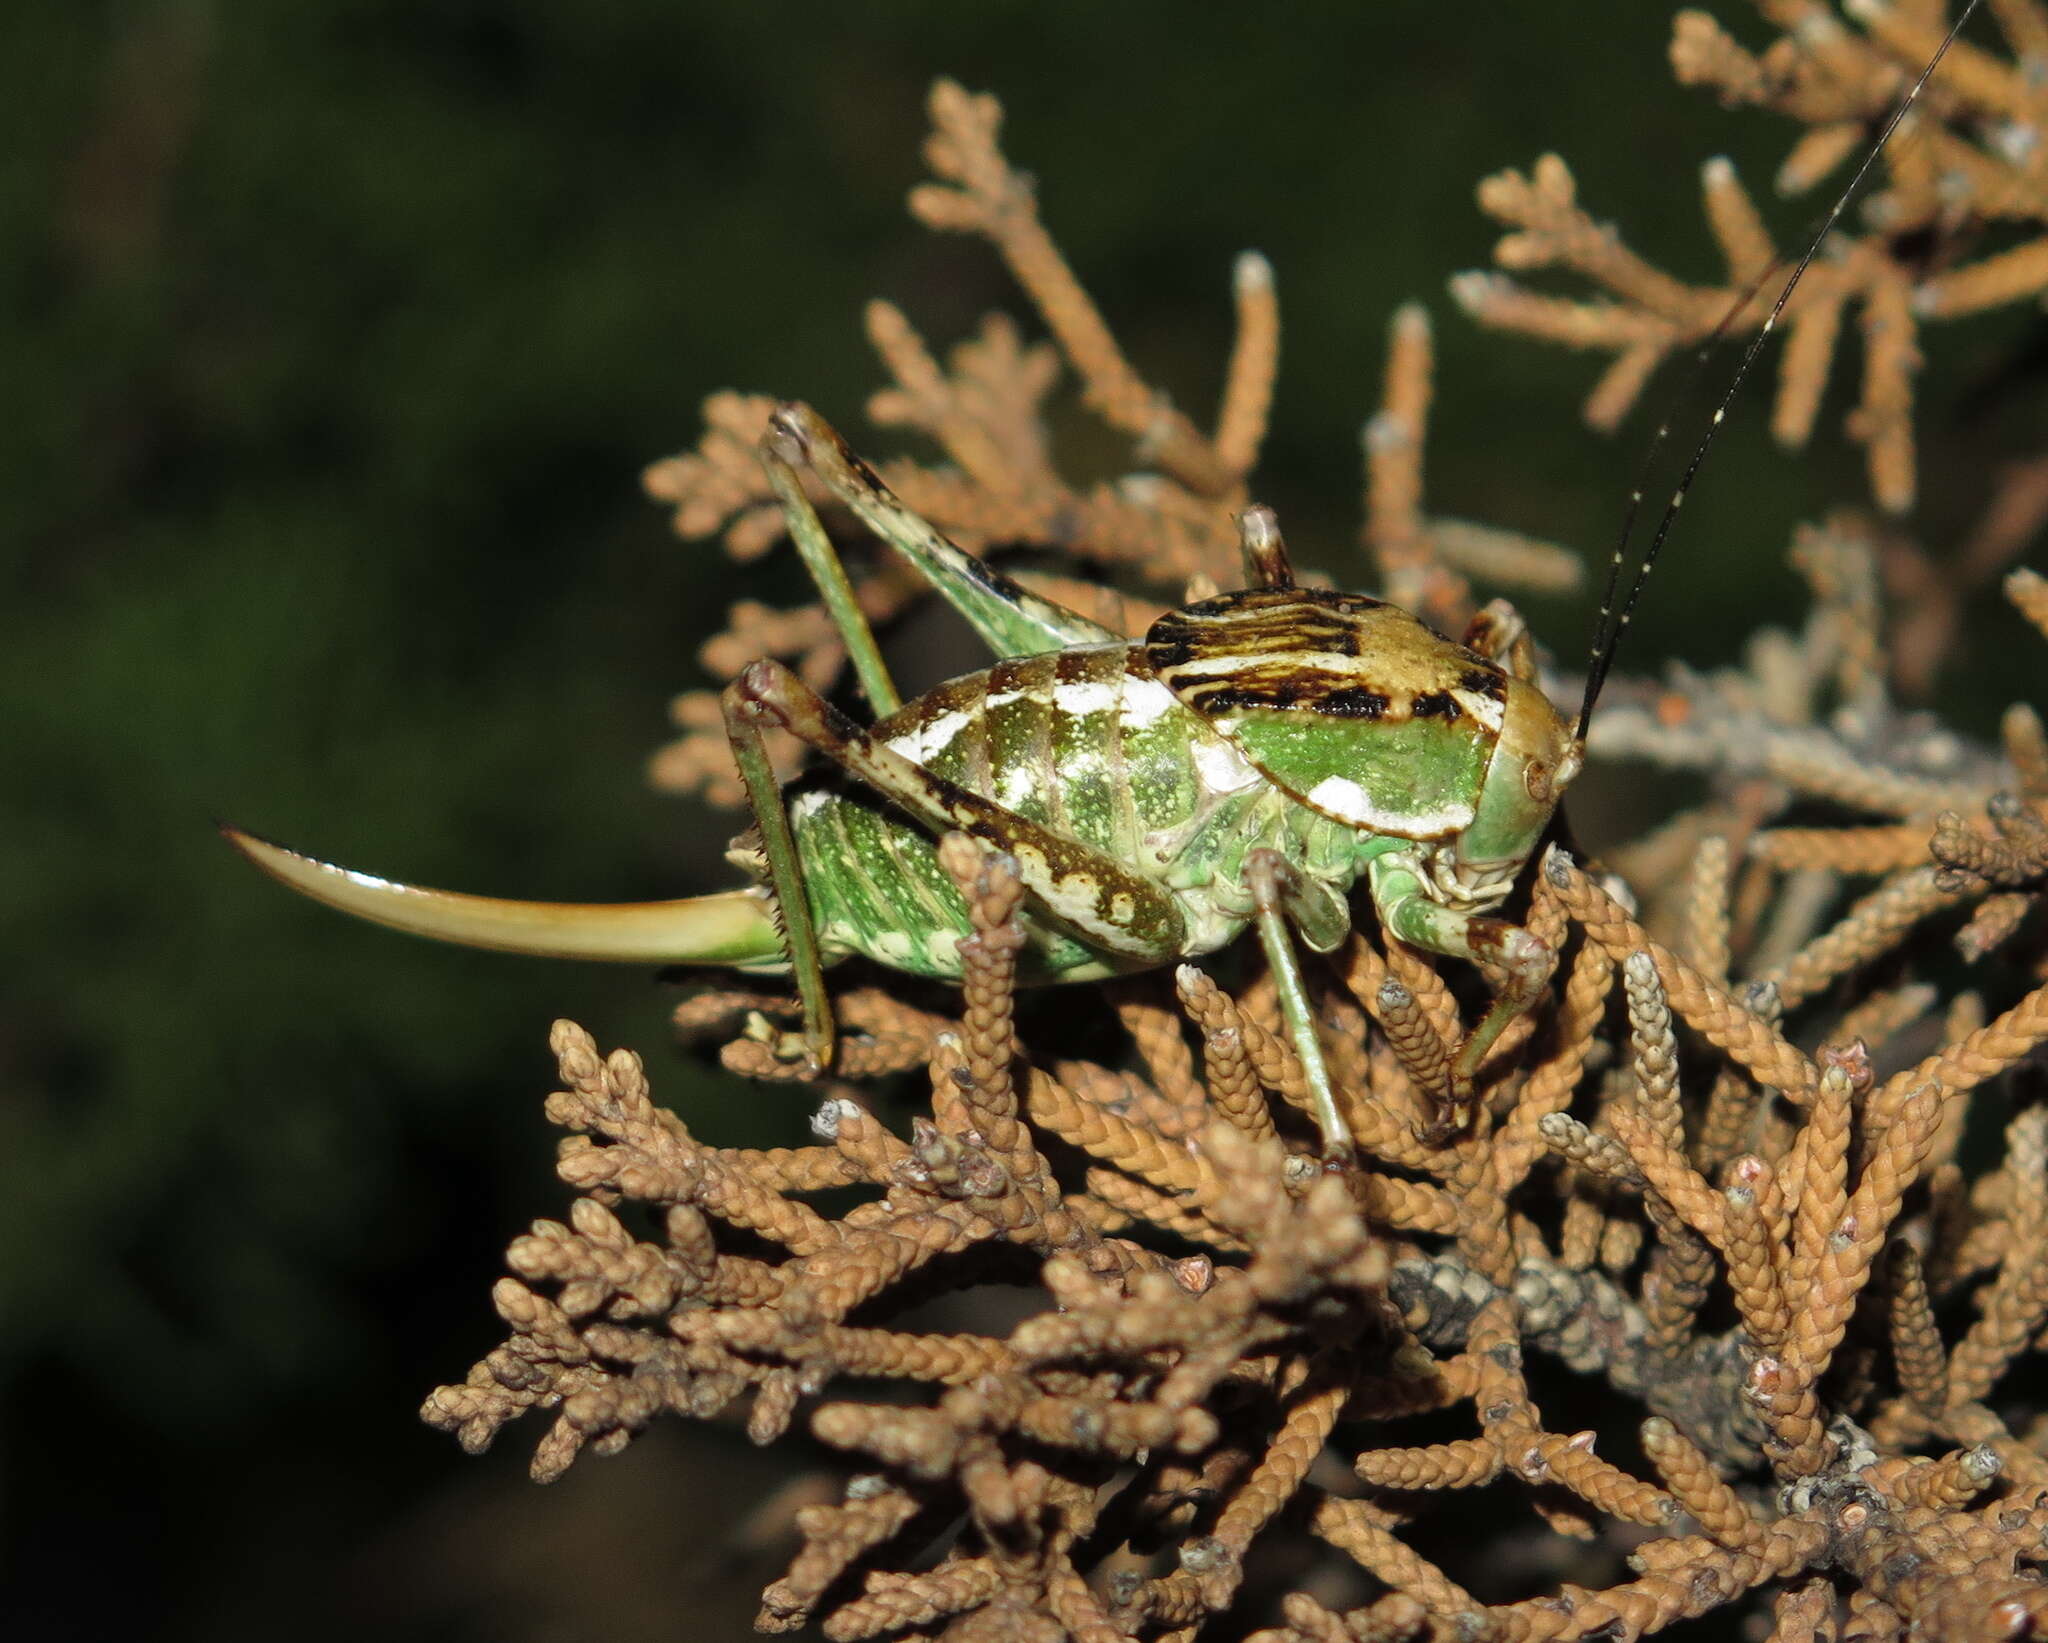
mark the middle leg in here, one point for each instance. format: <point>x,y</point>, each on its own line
<point>1276,897</point>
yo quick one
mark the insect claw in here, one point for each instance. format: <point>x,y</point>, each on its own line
<point>1455,1111</point>
<point>1446,1126</point>
<point>786,1046</point>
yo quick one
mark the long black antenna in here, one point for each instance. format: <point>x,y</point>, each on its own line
<point>1608,630</point>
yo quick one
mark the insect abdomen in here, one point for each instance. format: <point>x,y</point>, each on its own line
<point>1078,741</point>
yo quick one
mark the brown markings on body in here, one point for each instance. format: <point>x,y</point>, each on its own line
<point>1238,698</point>
<point>1356,702</point>
<point>1316,651</point>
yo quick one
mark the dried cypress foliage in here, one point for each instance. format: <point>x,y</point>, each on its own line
<point>1956,228</point>
<point>1249,1371</point>
<point>1728,1297</point>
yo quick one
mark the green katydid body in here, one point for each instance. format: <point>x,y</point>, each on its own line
<point>1331,729</point>
<point>1248,761</point>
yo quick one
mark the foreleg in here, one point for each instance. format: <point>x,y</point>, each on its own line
<point>1525,961</point>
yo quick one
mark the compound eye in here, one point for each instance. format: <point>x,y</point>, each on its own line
<point>1536,778</point>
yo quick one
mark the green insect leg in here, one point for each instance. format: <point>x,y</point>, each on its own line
<point>745,719</point>
<point>821,559</point>
<point>1275,891</point>
<point>1088,895</point>
<point>1012,620</point>
<point>1526,961</point>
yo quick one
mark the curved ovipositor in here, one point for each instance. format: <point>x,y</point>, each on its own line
<point>731,927</point>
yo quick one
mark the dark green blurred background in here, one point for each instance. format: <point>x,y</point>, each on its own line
<point>336,334</point>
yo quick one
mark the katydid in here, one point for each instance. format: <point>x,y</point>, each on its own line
<point>1244,764</point>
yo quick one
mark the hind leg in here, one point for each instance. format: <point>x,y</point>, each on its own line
<point>821,559</point>
<point>1011,619</point>
<point>744,722</point>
